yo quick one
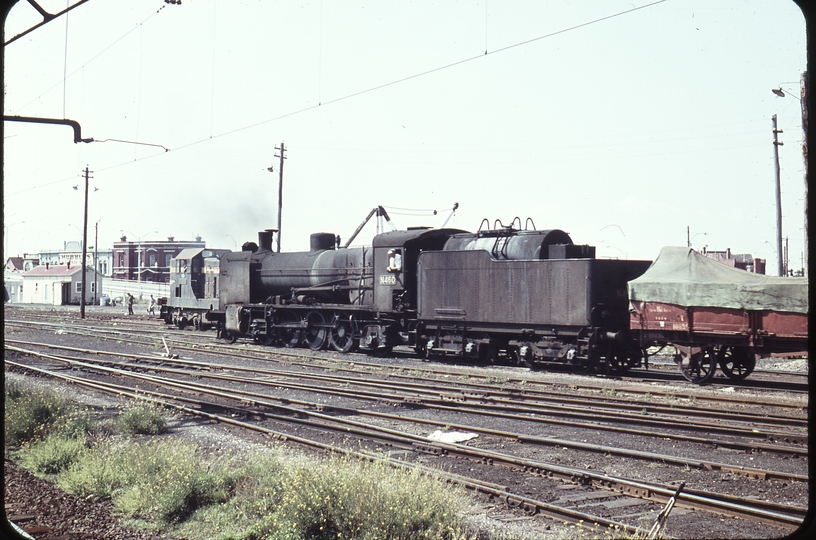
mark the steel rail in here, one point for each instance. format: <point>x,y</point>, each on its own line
<point>401,399</point>
<point>531,506</point>
<point>765,512</point>
<point>289,354</point>
<point>748,472</point>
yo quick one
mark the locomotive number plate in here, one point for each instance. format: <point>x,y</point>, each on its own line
<point>388,279</point>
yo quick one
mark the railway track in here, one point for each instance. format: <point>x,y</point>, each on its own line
<point>775,515</point>
<point>514,404</point>
<point>541,440</point>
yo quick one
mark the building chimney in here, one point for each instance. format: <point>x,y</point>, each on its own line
<point>169,238</point>
<point>46,265</point>
<point>69,264</point>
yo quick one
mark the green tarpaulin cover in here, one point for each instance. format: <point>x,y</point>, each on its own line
<point>687,278</point>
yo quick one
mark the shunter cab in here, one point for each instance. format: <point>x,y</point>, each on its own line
<point>194,286</point>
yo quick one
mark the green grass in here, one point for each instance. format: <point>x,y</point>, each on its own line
<point>53,454</point>
<point>30,413</point>
<point>176,488</point>
<point>140,416</point>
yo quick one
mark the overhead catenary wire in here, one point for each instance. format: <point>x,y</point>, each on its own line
<point>341,98</point>
<point>408,78</point>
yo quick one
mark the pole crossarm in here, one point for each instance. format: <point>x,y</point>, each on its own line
<point>47,17</point>
<point>62,121</point>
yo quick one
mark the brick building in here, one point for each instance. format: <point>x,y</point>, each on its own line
<point>148,260</point>
<point>741,261</point>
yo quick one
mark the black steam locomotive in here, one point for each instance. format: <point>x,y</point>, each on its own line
<point>505,293</point>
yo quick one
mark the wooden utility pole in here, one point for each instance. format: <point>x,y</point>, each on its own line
<point>777,144</point>
<point>281,149</point>
<point>803,92</point>
<point>84,248</point>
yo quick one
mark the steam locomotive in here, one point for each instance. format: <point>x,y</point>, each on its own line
<point>503,294</point>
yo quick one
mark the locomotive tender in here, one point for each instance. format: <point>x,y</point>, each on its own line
<point>528,296</point>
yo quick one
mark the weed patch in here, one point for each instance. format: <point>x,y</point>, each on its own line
<point>141,417</point>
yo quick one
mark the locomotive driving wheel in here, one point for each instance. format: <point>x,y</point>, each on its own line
<point>316,334</point>
<point>736,362</point>
<point>290,337</point>
<point>341,337</point>
<point>697,365</point>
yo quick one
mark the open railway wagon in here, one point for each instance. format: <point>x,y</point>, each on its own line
<point>715,315</point>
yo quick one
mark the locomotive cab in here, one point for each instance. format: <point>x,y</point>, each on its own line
<point>395,265</point>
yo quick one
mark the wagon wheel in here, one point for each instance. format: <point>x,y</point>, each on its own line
<point>228,336</point>
<point>616,360</point>
<point>527,360</point>
<point>489,353</point>
<point>316,335</point>
<point>265,339</point>
<point>698,367</point>
<point>421,349</point>
<point>621,360</point>
<point>341,337</point>
<point>289,336</point>
<point>736,362</point>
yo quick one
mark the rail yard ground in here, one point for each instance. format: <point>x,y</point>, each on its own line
<point>548,452</point>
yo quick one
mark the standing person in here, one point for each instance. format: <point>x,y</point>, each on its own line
<point>151,308</point>
<point>130,300</point>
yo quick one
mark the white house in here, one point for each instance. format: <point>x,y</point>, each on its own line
<point>13,283</point>
<point>58,285</point>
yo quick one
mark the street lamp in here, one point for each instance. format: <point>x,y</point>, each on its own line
<point>781,93</point>
<point>803,93</point>
<point>139,253</point>
<point>689,238</point>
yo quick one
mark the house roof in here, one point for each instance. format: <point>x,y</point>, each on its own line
<point>54,270</point>
<point>16,262</point>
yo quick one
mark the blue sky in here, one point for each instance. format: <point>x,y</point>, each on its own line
<point>621,123</point>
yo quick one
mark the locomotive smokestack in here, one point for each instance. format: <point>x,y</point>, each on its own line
<point>265,238</point>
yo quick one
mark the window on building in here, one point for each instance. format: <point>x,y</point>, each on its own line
<point>78,287</point>
<point>93,287</point>
<point>152,259</point>
<point>167,257</point>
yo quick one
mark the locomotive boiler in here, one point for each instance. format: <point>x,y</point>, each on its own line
<point>343,297</point>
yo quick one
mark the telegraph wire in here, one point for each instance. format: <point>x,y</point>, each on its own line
<point>92,59</point>
<point>411,77</point>
<point>361,92</point>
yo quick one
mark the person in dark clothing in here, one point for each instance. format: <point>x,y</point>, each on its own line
<point>130,300</point>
